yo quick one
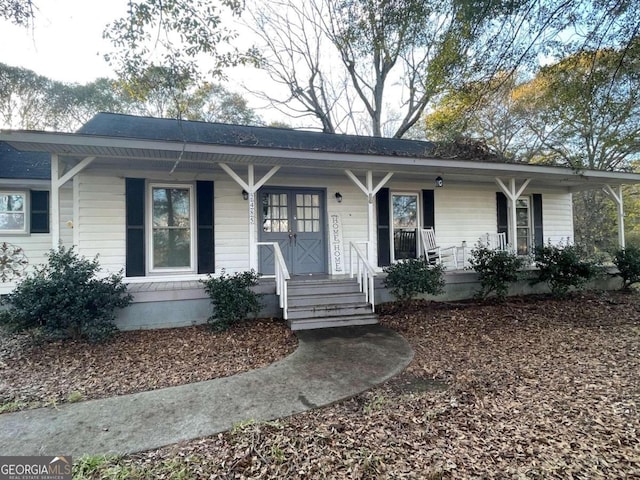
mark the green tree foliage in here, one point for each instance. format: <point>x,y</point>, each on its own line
<point>66,299</point>
<point>232,298</point>
<point>32,101</point>
<point>409,278</point>
<point>177,35</point>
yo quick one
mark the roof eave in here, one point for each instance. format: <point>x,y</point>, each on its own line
<point>78,145</point>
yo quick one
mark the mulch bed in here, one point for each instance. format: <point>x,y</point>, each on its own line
<point>135,361</point>
<point>533,388</point>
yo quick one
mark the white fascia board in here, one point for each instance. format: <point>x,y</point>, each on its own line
<point>49,141</point>
<point>24,182</point>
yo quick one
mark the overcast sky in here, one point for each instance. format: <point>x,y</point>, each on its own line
<point>66,41</point>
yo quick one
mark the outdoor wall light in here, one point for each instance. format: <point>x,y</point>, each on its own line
<point>339,197</point>
<point>245,195</point>
<point>439,181</point>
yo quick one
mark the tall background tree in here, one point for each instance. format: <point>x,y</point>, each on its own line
<point>32,101</point>
<point>378,64</point>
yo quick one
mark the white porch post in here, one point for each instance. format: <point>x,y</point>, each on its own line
<point>57,182</point>
<point>617,197</point>
<point>512,195</point>
<point>370,191</point>
<point>55,201</point>
<point>251,187</point>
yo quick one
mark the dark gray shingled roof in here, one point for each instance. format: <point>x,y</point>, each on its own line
<point>129,126</point>
<point>31,165</point>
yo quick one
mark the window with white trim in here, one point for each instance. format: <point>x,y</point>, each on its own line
<point>13,212</point>
<point>171,233</point>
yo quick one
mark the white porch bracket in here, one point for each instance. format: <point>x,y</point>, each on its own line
<point>617,197</point>
<point>251,187</point>
<point>512,193</point>
<point>370,191</point>
<point>57,182</point>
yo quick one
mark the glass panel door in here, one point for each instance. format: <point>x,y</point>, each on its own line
<point>404,211</point>
<point>294,218</point>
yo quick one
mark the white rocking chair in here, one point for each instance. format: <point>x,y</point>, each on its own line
<point>447,256</point>
<point>495,241</point>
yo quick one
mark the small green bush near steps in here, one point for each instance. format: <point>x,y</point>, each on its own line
<point>409,278</point>
<point>627,260</point>
<point>232,298</point>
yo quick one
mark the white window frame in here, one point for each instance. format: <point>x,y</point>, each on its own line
<point>25,211</point>
<point>418,222</point>
<point>193,226</point>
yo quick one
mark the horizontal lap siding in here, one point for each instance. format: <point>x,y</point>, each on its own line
<point>464,214</point>
<point>557,217</point>
<point>102,220</point>
<point>66,215</point>
<point>231,220</point>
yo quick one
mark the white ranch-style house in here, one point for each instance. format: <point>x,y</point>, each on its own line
<point>169,201</point>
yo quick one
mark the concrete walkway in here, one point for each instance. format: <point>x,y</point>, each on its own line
<point>329,365</point>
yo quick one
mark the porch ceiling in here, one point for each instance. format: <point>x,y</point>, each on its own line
<point>154,154</point>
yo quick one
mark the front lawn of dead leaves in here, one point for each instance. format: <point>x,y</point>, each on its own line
<point>46,374</point>
<point>532,388</point>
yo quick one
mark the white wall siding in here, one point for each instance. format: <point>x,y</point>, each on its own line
<point>464,214</point>
<point>102,219</point>
<point>66,215</point>
<point>557,217</point>
<point>231,216</point>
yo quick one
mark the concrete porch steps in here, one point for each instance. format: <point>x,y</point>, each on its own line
<point>327,302</point>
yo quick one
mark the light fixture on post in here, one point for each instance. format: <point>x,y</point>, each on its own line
<point>439,182</point>
<point>339,197</point>
<point>245,195</point>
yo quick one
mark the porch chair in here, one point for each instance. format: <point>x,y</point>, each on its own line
<point>435,254</point>
<point>429,247</point>
<point>495,241</point>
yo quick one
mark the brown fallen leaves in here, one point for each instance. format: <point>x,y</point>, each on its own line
<point>136,361</point>
<point>535,388</point>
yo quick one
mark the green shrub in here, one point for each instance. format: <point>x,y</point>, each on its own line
<point>65,299</point>
<point>408,278</point>
<point>628,262</point>
<point>497,269</point>
<point>232,298</point>
<point>564,267</point>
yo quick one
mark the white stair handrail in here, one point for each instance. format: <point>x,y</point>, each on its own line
<point>281,274</point>
<point>364,271</point>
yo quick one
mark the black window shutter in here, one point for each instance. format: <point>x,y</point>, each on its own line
<point>134,199</point>
<point>384,245</point>
<point>39,211</point>
<point>503,215</point>
<point>538,232</point>
<point>428,209</point>
<point>205,232</point>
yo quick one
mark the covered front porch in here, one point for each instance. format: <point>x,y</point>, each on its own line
<point>169,202</point>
